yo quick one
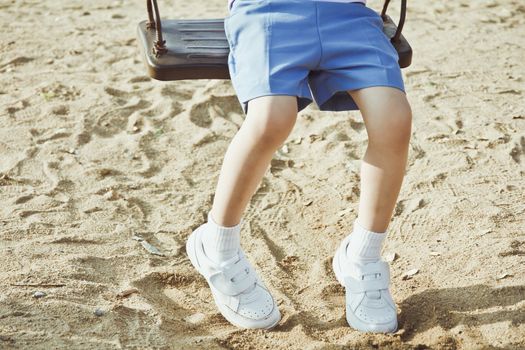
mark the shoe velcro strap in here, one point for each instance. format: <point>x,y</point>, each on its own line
<point>232,270</point>
<point>360,286</point>
<point>225,285</point>
<point>379,266</point>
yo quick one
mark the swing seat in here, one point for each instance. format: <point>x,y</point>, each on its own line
<point>179,49</point>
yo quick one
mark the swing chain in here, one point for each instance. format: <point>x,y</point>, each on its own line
<point>397,36</point>
<point>160,45</point>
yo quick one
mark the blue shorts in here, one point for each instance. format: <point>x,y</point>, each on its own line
<point>315,50</point>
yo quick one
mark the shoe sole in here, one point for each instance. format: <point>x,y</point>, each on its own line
<point>228,314</point>
<point>352,319</point>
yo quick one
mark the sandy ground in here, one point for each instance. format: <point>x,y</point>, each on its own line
<point>94,154</point>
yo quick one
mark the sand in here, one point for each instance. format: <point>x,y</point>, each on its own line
<point>95,156</point>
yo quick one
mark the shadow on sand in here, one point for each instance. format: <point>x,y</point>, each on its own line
<point>470,306</point>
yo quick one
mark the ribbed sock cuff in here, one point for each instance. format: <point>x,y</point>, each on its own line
<point>365,245</point>
<point>221,242</point>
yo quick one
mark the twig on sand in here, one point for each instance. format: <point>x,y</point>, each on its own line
<point>45,285</point>
<point>149,247</point>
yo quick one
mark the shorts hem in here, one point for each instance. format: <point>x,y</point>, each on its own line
<point>340,100</point>
<point>302,101</point>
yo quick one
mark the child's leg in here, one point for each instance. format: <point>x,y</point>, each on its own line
<point>269,121</point>
<point>214,247</point>
<point>387,116</point>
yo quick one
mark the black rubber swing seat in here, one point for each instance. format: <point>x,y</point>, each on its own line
<point>178,49</point>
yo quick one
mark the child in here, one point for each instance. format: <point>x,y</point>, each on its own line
<point>283,55</point>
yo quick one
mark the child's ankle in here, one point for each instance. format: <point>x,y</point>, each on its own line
<point>220,242</point>
<point>365,245</point>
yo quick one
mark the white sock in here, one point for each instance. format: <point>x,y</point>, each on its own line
<point>220,242</point>
<point>364,246</point>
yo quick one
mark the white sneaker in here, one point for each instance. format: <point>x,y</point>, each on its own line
<point>239,293</point>
<point>369,305</point>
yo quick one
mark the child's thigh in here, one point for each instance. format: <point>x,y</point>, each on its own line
<point>270,119</point>
<point>273,104</point>
<point>384,108</point>
<point>273,113</point>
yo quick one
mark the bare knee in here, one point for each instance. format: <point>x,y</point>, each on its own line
<point>271,119</point>
<point>394,129</point>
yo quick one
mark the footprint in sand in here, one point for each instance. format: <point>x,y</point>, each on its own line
<point>23,199</point>
<point>140,79</point>
<point>115,120</point>
<point>202,113</point>
<point>518,150</point>
<point>176,93</point>
<point>117,93</point>
<point>18,61</point>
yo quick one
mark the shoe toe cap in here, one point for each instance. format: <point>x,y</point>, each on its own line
<point>375,315</point>
<point>260,305</point>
